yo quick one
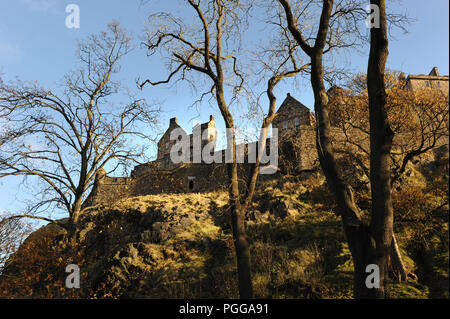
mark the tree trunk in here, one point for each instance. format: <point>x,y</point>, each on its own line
<point>358,235</point>
<point>73,221</point>
<point>368,244</point>
<point>239,233</point>
<point>381,137</point>
<point>398,268</point>
<point>76,210</point>
<point>242,253</point>
<point>237,210</point>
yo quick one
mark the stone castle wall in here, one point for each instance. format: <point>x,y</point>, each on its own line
<point>155,178</point>
<point>432,80</point>
<point>297,153</point>
<point>186,178</point>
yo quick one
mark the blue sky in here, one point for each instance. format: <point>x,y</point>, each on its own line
<point>36,45</point>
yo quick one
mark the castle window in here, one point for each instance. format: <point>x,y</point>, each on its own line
<point>297,122</point>
<point>167,145</point>
<point>284,124</point>
<point>191,182</point>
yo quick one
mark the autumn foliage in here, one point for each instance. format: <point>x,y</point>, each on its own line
<point>419,119</point>
<point>37,269</point>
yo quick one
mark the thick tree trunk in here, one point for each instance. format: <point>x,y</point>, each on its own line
<point>381,137</point>
<point>358,236</point>
<point>76,210</point>
<point>360,240</point>
<point>73,221</point>
<point>368,245</point>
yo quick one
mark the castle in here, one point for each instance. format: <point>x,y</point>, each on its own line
<point>162,175</point>
<point>432,80</point>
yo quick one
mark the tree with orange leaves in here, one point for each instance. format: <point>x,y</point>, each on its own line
<point>37,268</point>
<point>419,120</point>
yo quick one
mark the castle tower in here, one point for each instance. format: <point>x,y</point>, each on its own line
<point>291,115</point>
<point>165,144</point>
<point>296,136</point>
<point>206,132</point>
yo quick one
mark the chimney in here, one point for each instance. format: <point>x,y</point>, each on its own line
<point>211,118</point>
<point>434,72</point>
<point>289,94</point>
<point>173,120</point>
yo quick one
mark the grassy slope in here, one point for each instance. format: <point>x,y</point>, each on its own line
<point>302,254</point>
<point>180,246</point>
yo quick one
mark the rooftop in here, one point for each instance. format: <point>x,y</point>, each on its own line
<point>433,75</point>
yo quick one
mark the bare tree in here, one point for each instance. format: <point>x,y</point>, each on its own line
<point>337,27</point>
<point>63,140</point>
<point>211,48</point>
<point>12,233</point>
<point>201,48</point>
<point>276,61</point>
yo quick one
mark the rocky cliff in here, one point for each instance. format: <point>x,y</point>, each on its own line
<point>180,245</point>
